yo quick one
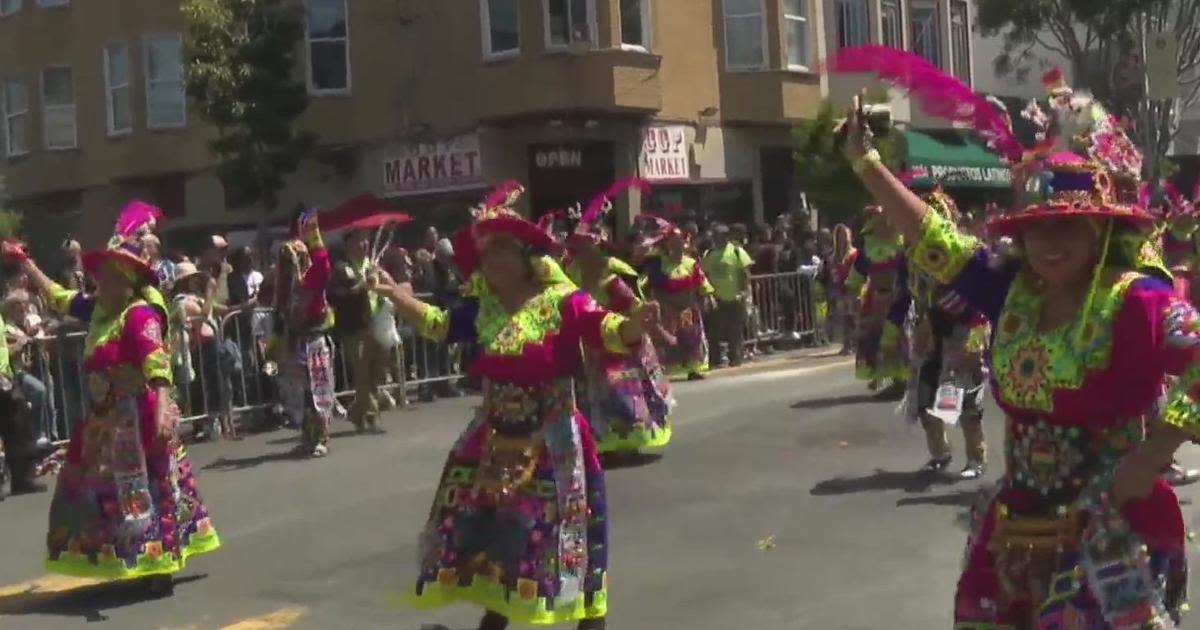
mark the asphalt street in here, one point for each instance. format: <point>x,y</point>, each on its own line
<point>786,500</point>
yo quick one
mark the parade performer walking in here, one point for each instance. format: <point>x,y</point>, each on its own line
<point>1082,532</point>
<point>677,282</point>
<point>126,505</point>
<point>880,279</point>
<point>949,340</point>
<point>843,301</point>
<point>519,524</point>
<point>626,397</point>
<point>301,344</point>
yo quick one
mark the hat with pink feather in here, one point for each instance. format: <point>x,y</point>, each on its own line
<point>495,217</point>
<point>128,246</point>
<point>1083,165</point>
<point>591,230</point>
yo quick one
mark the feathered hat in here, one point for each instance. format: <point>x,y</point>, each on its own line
<point>127,247</point>
<point>1096,175</point>
<point>591,230</point>
<point>494,217</point>
<point>663,230</point>
<point>547,223</point>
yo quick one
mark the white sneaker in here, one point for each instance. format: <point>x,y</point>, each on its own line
<point>320,450</point>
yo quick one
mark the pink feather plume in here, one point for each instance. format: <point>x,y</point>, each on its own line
<point>937,93</point>
<point>1173,195</point>
<point>135,216</point>
<point>500,194</point>
<point>591,213</point>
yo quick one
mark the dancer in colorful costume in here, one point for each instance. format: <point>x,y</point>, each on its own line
<point>677,282</point>
<point>880,279</point>
<point>843,300</point>
<point>126,505</point>
<point>1082,532</point>
<point>627,396</point>
<point>303,349</point>
<point>949,340</point>
<point>519,524</point>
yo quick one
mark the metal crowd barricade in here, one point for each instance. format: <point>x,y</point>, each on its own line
<point>782,309</point>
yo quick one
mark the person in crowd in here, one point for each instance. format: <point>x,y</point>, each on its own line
<point>355,307</point>
<point>26,338</point>
<point>302,347</point>
<point>163,267</point>
<point>126,504</point>
<point>17,448</point>
<point>1082,531</point>
<point>765,251</point>
<point>691,235</point>
<point>528,434</point>
<point>197,327</point>
<point>727,268</point>
<point>73,276</point>
<point>213,262</point>
<point>627,396</point>
<point>949,341</point>
<point>880,280</point>
<point>678,283</point>
<point>843,300</point>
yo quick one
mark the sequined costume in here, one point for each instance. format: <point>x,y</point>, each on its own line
<point>679,286</point>
<point>126,504</point>
<point>880,278</point>
<point>626,397</point>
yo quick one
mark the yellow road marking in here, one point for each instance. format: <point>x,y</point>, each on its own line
<point>277,620</point>
<point>47,584</point>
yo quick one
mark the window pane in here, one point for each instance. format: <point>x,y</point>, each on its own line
<point>328,61</point>
<point>118,64</point>
<point>122,116</point>
<point>326,18</point>
<point>56,87</point>
<point>59,127</point>
<point>581,29</point>
<point>797,42</point>
<point>16,98</point>
<point>891,25</point>
<point>9,6</point>
<point>165,61</point>
<point>743,40</point>
<point>631,23</point>
<point>17,131</point>
<point>743,7</point>
<point>794,7</point>
<point>556,16</point>
<point>505,28</point>
<point>166,105</point>
<point>924,33</point>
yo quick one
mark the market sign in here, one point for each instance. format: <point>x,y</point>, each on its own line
<point>973,175</point>
<point>665,153</point>
<point>453,164</point>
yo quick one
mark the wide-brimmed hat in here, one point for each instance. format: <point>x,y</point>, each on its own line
<point>185,270</point>
<point>591,230</point>
<point>495,217</point>
<point>664,230</point>
<point>127,247</point>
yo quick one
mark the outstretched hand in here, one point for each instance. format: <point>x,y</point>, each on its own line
<point>14,250</point>
<point>858,133</point>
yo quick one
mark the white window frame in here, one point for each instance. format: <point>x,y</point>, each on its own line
<point>16,8</point>
<point>861,10</point>
<point>647,28</point>
<point>788,20</point>
<point>591,21</point>
<point>762,16</point>
<point>935,29</point>
<point>53,4</point>
<point>46,109</point>
<point>966,42</point>
<point>308,42</point>
<point>9,116</point>
<point>485,22</point>
<point>146,78</point>
<point>896,9</point>
<point>109,88</point>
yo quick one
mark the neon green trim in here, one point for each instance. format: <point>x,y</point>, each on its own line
<point>434,324</point>
<point>491,595</point>
<point>687,368</point>
<point>60,298</point>
<point>942,251</point>
<point>620,267</point>
<point>610,332</point>
<point>1182,410</point>
<point>76,565</point>
<point>639,438</point>
<point>157,364</point>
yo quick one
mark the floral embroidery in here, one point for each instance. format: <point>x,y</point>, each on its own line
<point>1182,325</point>
<point>508,334</point>
<point>434,324</point>
<point>942,251</point>
<point>1040,363</point>
<point>1046,457</point>
<point>152,332</point>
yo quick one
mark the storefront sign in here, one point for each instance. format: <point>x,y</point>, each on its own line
<point>453,164</point>
<point>973,174</point>
<point>558,157</point>
<point>665,153</point>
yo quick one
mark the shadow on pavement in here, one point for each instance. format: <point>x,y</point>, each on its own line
<point>332,436</point>
<point>225,464</point>
<point>87,602</point>
<point>881,480</point>
<point>613,461</point>
<point>965,497</point>
<point>837,401</point>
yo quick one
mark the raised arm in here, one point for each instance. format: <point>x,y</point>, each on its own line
<point>58,298</point>
<point>456,324</point>
<point>902,208</point>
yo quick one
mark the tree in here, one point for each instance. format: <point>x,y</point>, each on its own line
<point>826,176</point>
<point>1104,42</point>
<point>241,60</point>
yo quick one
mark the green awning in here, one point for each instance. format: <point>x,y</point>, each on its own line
<point>954,160</point>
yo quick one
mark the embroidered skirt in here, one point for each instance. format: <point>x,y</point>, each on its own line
<point>685,350</point>
<point>627,400</point>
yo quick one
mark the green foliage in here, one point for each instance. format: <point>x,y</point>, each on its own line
<point>241,60</point>
<point>826,176</point>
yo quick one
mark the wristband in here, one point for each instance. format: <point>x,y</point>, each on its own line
<point>869,158</point>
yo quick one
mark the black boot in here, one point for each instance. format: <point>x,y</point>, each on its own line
<point>592,624</point>
<point>493,621</point>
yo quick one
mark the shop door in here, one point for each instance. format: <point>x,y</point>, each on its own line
<point>563,174</point>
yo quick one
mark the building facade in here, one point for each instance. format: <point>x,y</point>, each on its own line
<point>426,104</point>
